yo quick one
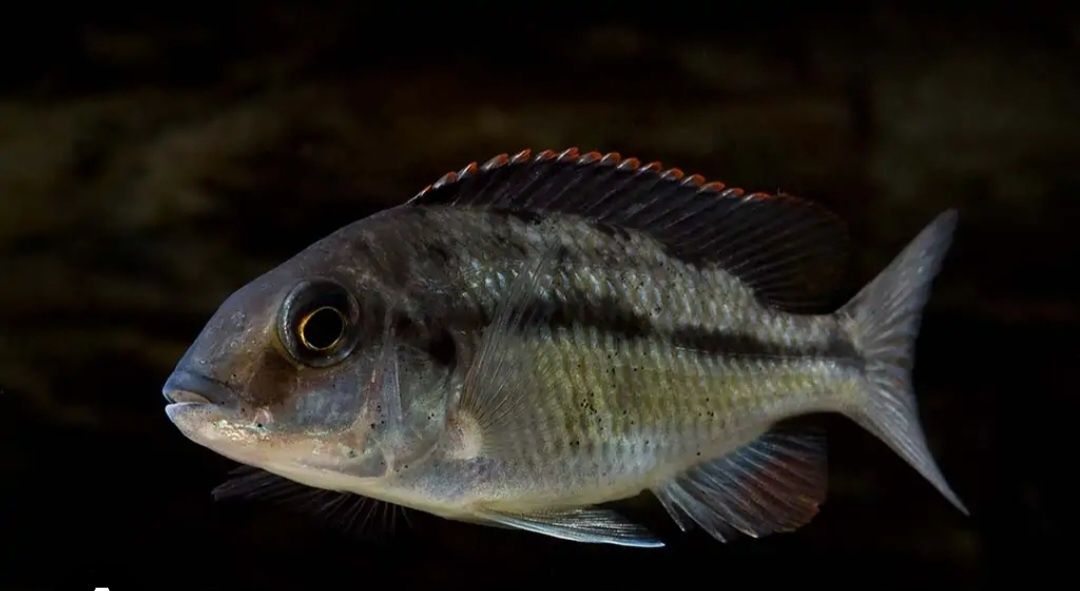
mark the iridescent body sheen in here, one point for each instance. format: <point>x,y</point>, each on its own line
<point>530,339</point>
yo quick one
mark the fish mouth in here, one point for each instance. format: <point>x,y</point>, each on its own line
<point>196,402</point>
<point>187,387</point>
<point>185,397</point>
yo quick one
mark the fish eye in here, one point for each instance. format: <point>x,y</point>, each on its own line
<point>318,323</point>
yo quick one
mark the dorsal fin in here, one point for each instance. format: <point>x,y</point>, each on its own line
<point>790,251</point>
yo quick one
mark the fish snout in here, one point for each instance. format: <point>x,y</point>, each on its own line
<point>190,387</point>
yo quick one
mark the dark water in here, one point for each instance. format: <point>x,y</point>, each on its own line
<point>150,163</point>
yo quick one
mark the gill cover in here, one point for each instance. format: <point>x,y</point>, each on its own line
<point>401,431</point>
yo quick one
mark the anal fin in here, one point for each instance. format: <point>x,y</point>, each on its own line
<point>591,525</point>
<point>772,484</point>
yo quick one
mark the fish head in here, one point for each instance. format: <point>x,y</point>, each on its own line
<point>309,372</point>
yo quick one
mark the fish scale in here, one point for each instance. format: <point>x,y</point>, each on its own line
<point>632,271</point>
<point>678,400</point>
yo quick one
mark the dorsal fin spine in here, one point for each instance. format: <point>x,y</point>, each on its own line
<point>663,194</point>
<point>510,172</point>
<point>445,179</point>
<point>676,208</point>
<point>468,171</point>
<point>617,208</point>
<point>603,177</point>
<point>695,180</point>
<point>569,154</point>
<point>591,209</point>
<point>496,162</point>
<point>524,194</point>
<point>611,159</point>
<point>546,183</point>
<point>589,157</point>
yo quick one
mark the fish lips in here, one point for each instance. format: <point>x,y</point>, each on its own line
<point>192,418</point>
<point>188,387</point>
<point>205,411</point>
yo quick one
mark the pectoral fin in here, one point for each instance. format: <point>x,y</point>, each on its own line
<point>590,525</point>
<point>496,386</point>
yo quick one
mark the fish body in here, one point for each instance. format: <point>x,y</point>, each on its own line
<point>525,341</point>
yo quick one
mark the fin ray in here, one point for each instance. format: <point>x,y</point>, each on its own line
<point>774,483</point>
<point>590,525</point>
<point>883,321</point>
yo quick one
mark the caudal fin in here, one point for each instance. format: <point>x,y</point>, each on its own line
<point>883,321</point>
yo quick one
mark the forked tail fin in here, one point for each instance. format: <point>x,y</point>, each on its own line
<point>883,321</point>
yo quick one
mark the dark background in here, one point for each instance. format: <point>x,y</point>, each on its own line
<point>152,162</point>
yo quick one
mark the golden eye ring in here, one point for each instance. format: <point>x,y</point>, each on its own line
<point>322,329</point>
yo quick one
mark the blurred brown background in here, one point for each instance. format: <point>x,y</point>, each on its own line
<point>151,161</point>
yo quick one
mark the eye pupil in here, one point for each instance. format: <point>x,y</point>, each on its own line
<point>322,329</point>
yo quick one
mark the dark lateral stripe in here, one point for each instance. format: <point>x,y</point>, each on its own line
<point>742,345</point>
<point>612,317</point>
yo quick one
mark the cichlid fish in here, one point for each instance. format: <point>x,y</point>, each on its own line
<point>528,340</point>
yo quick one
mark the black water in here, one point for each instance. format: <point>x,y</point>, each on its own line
<point>151,162</point>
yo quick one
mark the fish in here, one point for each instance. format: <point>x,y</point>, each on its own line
<point>524,343</point>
